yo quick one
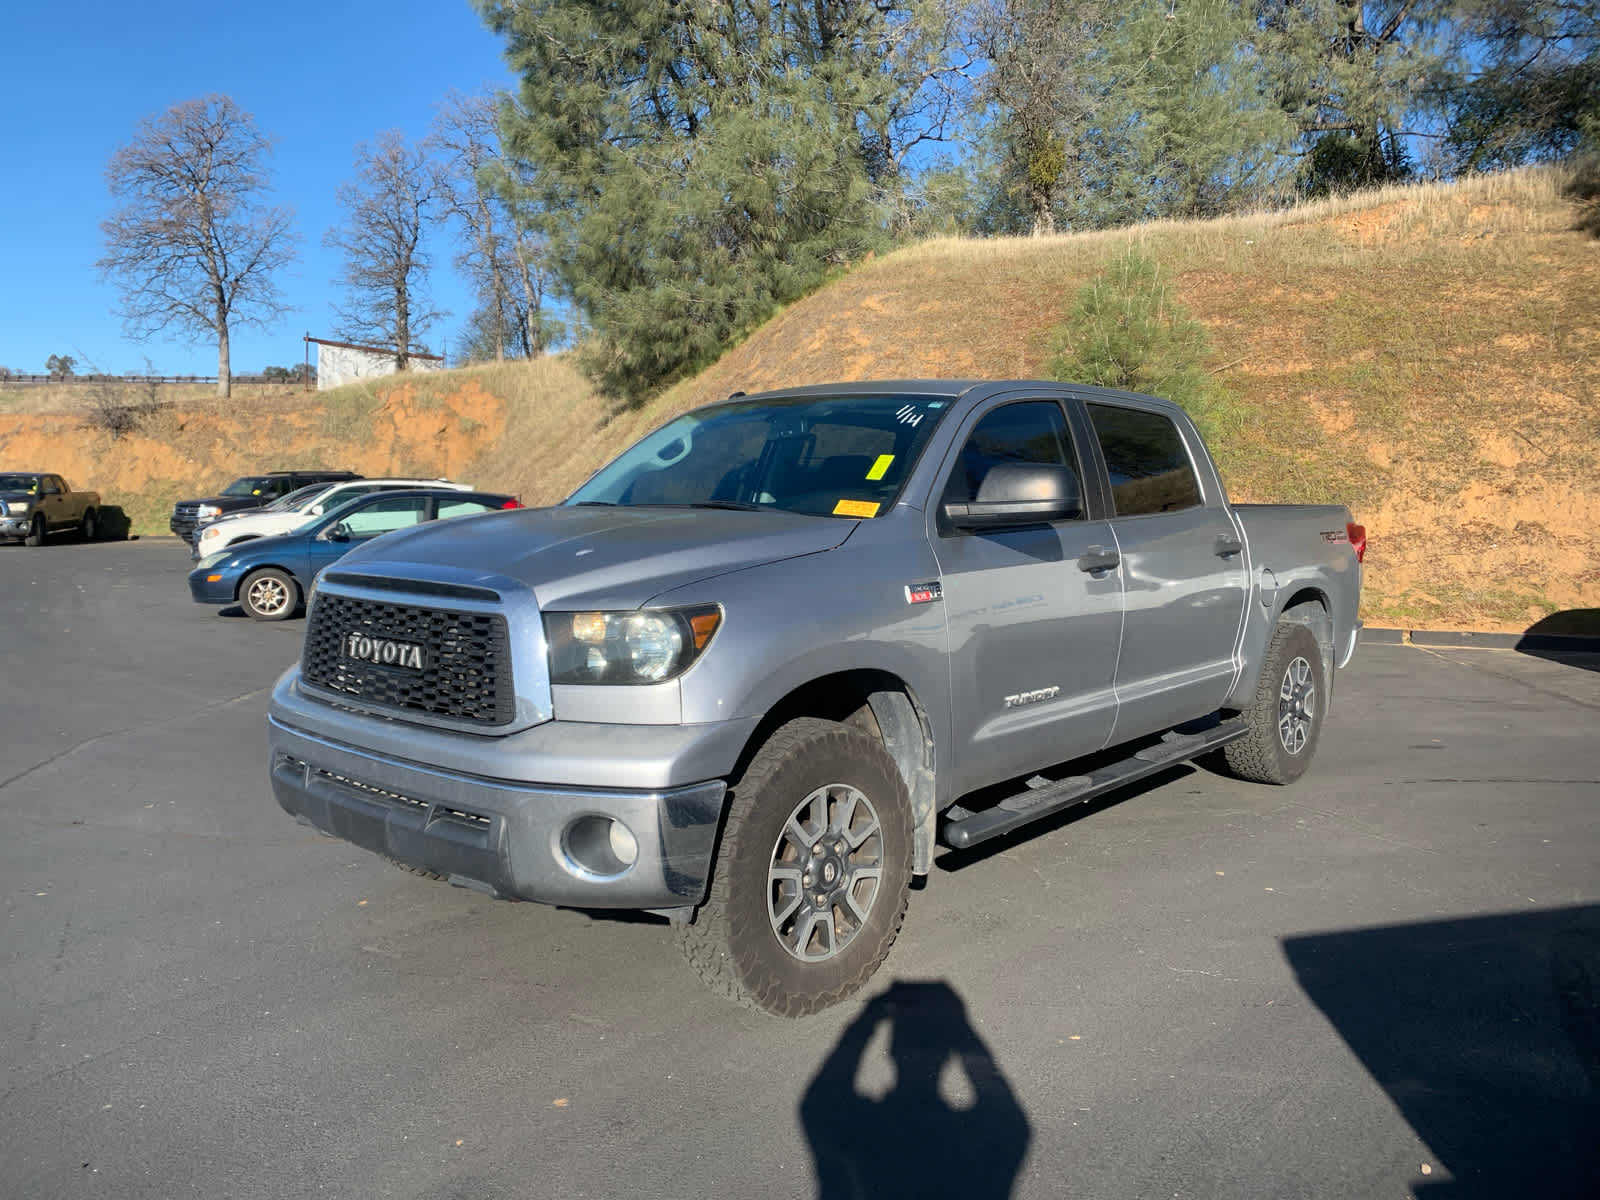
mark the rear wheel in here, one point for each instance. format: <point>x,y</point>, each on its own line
<point>812,874</point>
<point>87,527</point>
<point>269,594</point>
<point>35,534</point>
<point>1285,718</point>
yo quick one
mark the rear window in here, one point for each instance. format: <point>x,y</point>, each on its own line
<point>1148,463</point>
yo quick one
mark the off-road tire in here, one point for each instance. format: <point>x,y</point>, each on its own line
<point>269,594</point>
<point>1285,718</point>
<point>733,942</point>
<point>36,531</point>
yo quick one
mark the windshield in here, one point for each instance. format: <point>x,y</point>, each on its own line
<point>843,456</point>
<point>248,485</point>
<point>19,483</point>
<point>339,506</point>
<point>298,498</point>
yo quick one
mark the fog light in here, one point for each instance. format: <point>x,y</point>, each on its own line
<point>623,844</point>
<point>597,847</point>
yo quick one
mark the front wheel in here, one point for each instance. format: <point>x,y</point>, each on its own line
<point>269,594</point>
<point>812,875</point>
<point>1285,718</point>
<point>35,534</point>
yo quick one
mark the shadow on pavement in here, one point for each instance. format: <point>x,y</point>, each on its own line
<point>1571,637</point>
<point>114,524</point>
<point>914,1137</point>
<point>1485,1032</point>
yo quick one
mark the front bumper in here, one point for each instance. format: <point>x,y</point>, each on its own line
<point>512,839</point>
<point>13,527</point>
<point>222,591</point>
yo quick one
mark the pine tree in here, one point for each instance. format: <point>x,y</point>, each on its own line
<point>694,165</point>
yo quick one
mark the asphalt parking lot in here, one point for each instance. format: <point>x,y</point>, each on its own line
<point>1381,982</point>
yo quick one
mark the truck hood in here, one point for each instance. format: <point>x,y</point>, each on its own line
<point>17,496</point>
<point>585,557</point>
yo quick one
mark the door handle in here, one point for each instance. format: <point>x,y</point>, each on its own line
<point>1228,545</point>
<point>1098,558</point>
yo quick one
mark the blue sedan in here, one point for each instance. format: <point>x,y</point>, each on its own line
<point>268,577</point>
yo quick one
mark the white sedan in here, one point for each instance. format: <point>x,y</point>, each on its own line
<point>297,508</point>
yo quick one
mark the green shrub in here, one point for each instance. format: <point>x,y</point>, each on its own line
<point>1125,331</point>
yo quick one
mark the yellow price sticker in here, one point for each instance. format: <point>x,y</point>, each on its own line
<point>856,508</point>
<point>881,467</point>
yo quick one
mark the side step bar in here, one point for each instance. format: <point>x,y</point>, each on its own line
<point>1043,797</point>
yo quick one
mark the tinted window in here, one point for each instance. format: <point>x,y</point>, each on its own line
<point>1034,432</point>
<point>1145,456</point>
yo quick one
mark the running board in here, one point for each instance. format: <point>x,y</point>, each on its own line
<point>1043,797</point>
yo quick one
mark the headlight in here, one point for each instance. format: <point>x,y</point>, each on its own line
<point>648,645</point>
<point>212,560</point>
<point>206,512</point>
<point>211,531</point>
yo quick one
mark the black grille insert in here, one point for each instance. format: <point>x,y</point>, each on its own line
<point>466,657</point>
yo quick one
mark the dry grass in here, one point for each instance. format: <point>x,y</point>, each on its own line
<point>78,395</point>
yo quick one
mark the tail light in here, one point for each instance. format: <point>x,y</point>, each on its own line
<point>515,503</point>
<point>1358,539</point>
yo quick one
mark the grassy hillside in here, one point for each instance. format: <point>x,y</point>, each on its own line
<point>1429,356</point>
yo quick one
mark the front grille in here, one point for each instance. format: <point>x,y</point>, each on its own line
<point>466,672</point>
<point>184,519</point>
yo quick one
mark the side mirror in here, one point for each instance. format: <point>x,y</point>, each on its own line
<point>316,510</point>
<point>1014,494</point>
<point>339,533</point>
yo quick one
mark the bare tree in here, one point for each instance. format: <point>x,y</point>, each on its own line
<point>1034,87</point>
<point>465,133</point>
<point>393,200</point>
<point>504,257</point>
<point>193,247</point>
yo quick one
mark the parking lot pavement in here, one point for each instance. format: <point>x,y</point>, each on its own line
<point>1378,982</point>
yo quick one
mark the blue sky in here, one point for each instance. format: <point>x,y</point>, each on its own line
<point>318,78</point>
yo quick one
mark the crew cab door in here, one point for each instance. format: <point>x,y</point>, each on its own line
<point>1034,611</point>
<point>54,504</point>
<point>1184,576</point>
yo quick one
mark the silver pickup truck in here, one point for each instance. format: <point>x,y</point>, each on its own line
<point>755,671</point>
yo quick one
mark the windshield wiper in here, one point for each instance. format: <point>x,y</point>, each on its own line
<point>735,505</point>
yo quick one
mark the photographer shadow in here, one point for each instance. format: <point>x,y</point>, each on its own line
<point>947,1124</point>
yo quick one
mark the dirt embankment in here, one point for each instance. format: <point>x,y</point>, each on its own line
<point>195,449</point>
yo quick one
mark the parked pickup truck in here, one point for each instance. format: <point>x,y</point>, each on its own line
<point>34,504</point>
<point>755,671</point>
<point>247,491</point>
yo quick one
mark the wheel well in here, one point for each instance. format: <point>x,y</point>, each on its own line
<point>1309,607</point>
<point>882,706</point>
